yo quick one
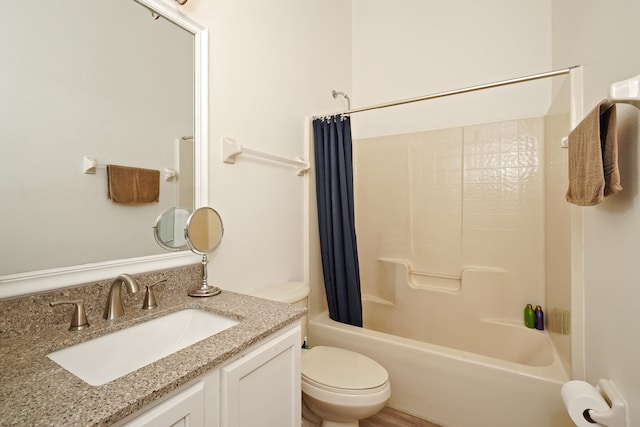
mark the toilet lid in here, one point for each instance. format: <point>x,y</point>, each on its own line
<point>343,369</point>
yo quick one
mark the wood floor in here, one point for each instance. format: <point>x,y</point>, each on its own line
<point>389,417</point>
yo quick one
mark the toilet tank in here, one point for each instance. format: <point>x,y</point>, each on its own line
<point>294,293</point>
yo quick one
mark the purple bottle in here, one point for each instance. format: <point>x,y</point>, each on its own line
<point>539,318</point>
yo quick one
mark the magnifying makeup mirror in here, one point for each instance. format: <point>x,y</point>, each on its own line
<point>169,229</point>
<point>203,234</point>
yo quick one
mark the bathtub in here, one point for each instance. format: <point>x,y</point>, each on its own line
<point>510,377</point>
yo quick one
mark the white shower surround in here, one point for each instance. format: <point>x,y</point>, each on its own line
<point>444,201</point>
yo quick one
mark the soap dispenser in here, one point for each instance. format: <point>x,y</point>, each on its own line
<point>529,317</point>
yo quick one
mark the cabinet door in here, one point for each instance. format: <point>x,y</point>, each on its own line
<point>262,388</point>
<point>185,409</point>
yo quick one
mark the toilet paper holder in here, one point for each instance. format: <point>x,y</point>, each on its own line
<point>617,415</point>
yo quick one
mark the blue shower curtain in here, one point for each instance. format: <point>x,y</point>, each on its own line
<point>334,190</point>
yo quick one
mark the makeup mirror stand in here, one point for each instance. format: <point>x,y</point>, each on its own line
<point>205,290</point>
<point>202,232</point>
<point>203,235</point>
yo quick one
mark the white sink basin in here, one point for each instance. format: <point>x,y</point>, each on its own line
<point>111,356</point>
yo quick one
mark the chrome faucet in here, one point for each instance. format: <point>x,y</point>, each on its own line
<point>114,308</point>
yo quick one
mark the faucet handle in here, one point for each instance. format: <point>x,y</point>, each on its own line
<point>79,319</point>
<point>150,298</point>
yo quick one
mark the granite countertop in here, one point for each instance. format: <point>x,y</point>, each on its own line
<point>34,390</point>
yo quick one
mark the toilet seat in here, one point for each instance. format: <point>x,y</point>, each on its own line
<point>342,371</point>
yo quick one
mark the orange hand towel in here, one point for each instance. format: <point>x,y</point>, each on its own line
<point>132,185</point>
<point>593,159</point>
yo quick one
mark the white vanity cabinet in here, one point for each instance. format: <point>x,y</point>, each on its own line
<point>258,387</point>
<point>262,387</point>
<point>184,409</point>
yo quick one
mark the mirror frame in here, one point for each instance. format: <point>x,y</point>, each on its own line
<point>32,282</point>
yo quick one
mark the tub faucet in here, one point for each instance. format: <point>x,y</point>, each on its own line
<point>114,308</point>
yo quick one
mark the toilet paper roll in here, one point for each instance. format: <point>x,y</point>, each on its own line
<point>578,397</point>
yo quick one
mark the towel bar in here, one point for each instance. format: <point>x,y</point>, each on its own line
<point>622,92</point>
<point>90,164</point>
<point>231,149</point>
<point>625,91</point>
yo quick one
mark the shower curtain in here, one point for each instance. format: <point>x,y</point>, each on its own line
<point>334,192</point>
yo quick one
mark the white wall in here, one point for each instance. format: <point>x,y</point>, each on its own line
<point>271,64</point>
<point>409,48</point>
<point>604,37</point>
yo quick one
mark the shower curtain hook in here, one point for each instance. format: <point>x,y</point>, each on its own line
<point>335,94</point>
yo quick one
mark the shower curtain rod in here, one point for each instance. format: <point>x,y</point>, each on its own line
<point>459,91</point>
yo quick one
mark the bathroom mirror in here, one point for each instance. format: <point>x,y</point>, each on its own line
<point>203,234</point>
<point>169,230</point>
<point>102,79</point>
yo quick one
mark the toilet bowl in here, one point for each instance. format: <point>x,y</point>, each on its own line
<point>339,387</point>
<point>342,387</point>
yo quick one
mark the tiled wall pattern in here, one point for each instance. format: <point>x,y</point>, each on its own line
<point>448,199</point>
<point>382,207</point>
<point>409,204</point>
<point>503,199</point>
<point>435,201</point>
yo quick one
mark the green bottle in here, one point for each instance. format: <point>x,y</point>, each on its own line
<point>529,317</point>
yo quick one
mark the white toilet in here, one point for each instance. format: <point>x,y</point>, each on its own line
<point>339,387</point>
